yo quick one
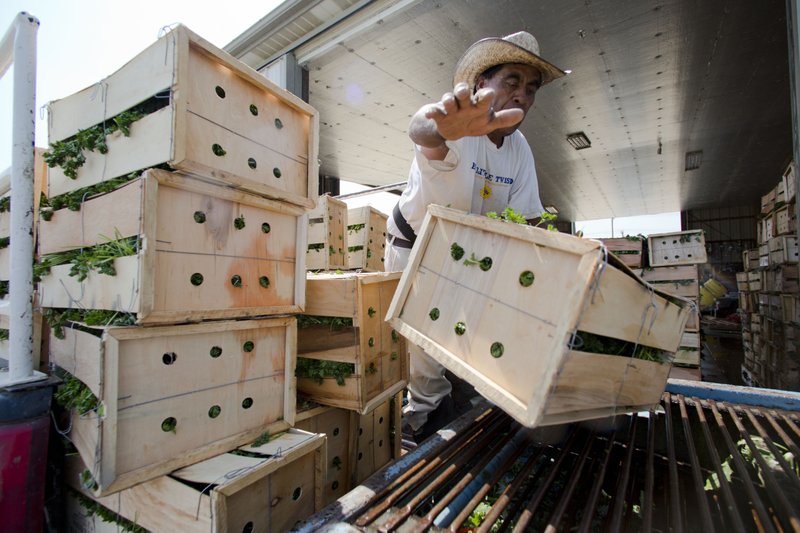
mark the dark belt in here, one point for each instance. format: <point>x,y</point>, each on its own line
<point>400,243</point>
<point>404,227</point>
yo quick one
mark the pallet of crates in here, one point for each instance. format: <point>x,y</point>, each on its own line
<point>187,104</point>
<point>366,239</point>
<point>358,445</point>
<point>348,355</point>
<point>327,238</point>
<point>504,305</point>
<point>256,487</point>
<point>629,250</point>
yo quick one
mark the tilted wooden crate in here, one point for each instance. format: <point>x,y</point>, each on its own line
<point>216,118</point>
<point>366,239</point>
<point>498,304</point>
<point>268,490</point>
<point>376,353</point>
<point>627,250</point>
<point>327,238</point>
<point>680,248</point>
<point>205,252</point>
<point>174,395</point>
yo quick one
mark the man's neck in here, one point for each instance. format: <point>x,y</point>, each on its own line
<point>496,138</point>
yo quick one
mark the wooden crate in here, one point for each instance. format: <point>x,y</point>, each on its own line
<point>680,248</point>
<point>379,438</point>
<point>276,486</point>
<point>783,250</point>
<point>768,202</point>
<point>783,220</point>
<point>327,239</point>
<point>222,121</point>
<point>378,354</point>
<point>742,279</point>
<point>366,239</point>
<point>175,395</point>
<point>676,280</point>
<point>790,308</point>
<point>627,250</point>
<point>688,354</point>
<point>190,256</point>
<point>511,325</point>
<point>766,229</point>
<point>340,426</point>
<point>763,255</point>
<point>780,279</point>
<point>750,259</point>
<point>790,182</point>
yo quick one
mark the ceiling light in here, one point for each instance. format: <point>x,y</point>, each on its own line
<point>551,209</point>
<point>693,159</point>
<point>579,140</point>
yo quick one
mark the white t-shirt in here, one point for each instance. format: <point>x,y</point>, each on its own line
<point>476,176</point>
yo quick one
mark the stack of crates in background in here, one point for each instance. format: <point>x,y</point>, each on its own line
<point>769,292</point>
<point>673,260</point>
<point>366,239</point>
<point>327,238</point>
<point>171,293</point>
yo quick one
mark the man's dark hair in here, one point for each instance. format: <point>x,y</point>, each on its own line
<point>491,71</point>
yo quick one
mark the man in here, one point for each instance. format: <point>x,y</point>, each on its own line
<point>469,155</point>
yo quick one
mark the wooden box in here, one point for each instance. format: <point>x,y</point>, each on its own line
<point>681,248</point>
<point>627,250</point>
<point>327,239</point>
<point>366,239</point>
<point>379,438</point>
<point>768,202</point>
<point>783,250</point>
<point>783,220</point>
<point>766,228</point>
<point>790,182</point>
<point>742,281</point>
<point>689,352</point>
<point>215,117</point>
<point>376,353</point>
<point>174,395</point>
<point>205,252</point>
<point>763,255</point>
<point>268,490</point>
<point>502,306</point>
<point>750,259</point>
<point>781,279</point>
<point>676,280</point>
<point>340,426</point>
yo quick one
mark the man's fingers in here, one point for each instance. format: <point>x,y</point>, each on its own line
<point>484,98</point>
<point>462,94</point>
<point>506,118</point>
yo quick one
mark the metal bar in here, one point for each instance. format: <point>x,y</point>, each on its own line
<point>741,468</point>
<point>787,469</point>
<point>705,512</point>
<point>622,483</point>
<point>484,489</point>
<point>534,502</point>
<point>674,494</point>
<point>649,474</point>
<point>769,479</point>
<point>20,364</point>
<point>558,514</point>
<point>373,190</point>
<point>418,471</point>
<point>777,399</point>
<point>591,504</point>
<point>724,484</point>
<point>787,439</point>
<point>456,461</point>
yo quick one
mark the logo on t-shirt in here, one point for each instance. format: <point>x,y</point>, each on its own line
<point>490,178</point>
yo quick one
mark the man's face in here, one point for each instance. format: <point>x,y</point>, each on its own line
<point>515,86</point>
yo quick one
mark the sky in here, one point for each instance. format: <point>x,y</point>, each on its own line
<point>79,42</point>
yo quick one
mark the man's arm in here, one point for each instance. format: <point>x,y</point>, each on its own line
<point>458,114</point>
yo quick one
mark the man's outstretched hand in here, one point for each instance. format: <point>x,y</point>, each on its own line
<point>461,114</point>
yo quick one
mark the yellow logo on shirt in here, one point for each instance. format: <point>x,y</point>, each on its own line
<point>486,192</point>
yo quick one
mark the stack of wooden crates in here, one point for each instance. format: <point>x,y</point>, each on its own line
<point>345,239</point>
<point>188,225</point>
<point>769,296</point>
<point>670,263</point>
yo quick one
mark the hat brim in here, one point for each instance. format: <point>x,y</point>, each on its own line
<point>493,51</point>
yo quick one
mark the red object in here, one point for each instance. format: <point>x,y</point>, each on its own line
<point>23,460</point>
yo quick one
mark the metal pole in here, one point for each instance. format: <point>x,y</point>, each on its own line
<point>25,26</point>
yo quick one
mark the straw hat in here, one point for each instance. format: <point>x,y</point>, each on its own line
<point>520,47</point>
